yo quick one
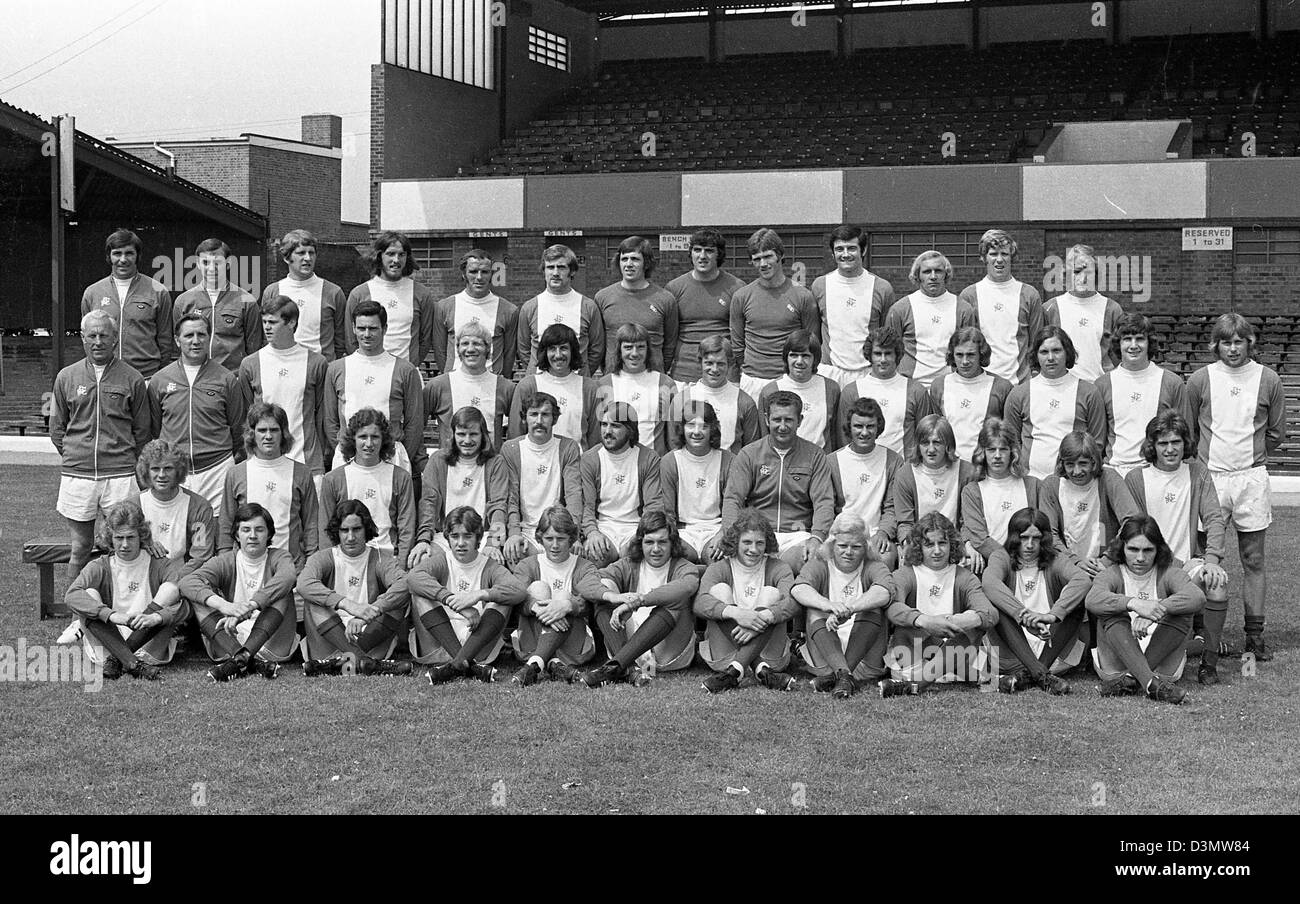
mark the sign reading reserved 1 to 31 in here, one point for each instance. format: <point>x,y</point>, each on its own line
<point>1207,238</point>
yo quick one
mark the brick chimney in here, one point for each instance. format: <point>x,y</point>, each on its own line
<point>323,129</point>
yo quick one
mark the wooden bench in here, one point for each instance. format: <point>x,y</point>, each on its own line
<point>45,553</point>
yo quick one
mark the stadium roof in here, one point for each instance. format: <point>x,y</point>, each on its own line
<point>139,184</point>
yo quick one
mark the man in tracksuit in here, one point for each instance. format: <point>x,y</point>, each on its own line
<point>199,408</point>
<point>787,479</point>
<point>140,306</point>
<point>233,316</point>
<point>99,421</point>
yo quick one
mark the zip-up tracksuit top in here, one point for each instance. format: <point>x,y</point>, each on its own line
<point>794,493</point>
<point>234,322</point>
<point>205,420</point>
<point>145,339</point>
<point>100,428</point>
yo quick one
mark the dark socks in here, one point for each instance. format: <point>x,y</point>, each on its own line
<point>435,621</point>
<point>112,641</point>
<point>658,625</point>
<point>483,636</point>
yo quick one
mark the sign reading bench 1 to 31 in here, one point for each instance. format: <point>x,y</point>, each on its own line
<point>1207,238</point>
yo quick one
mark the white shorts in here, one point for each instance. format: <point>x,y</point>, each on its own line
<point>1123,469</point>
<point>83,498</point>
<point>617,533</point>
<point>1245,497</point>
<point>699,534</point>
<point>792,538</point>
<point>840,375</point>
<point>753,386</point>
<point>211,484</point>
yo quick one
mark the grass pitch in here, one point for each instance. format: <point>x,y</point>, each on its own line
<point>396,745</point>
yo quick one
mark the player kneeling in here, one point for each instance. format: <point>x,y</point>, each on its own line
<point>461,603</point>
<point>940,614</point>
<point>645,612</point>
<point>553,636</point>
<point>845,591</point>
<point>355,600</point>
<point>745,596</point>
<point>243,600</point>
<point>128,601</point>
<point>1145,604</point>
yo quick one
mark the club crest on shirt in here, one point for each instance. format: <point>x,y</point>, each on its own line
<point>559,318</point>
<point>300,301</point>
<point>1054,404</point>
<point>1082,507</point>
<point>370,381</point>
<point>557,584</point>
<point>476,401</point>
<point>467,483</point>
<point>1143,595</point>
<point>1235,391</point>
<point>133,587</point>
<point>462,585</point>
<point>105,302</point>
<point>171,387</point>
<point>939,492</point>
<point>252,583</point>
<point>765,470</point>
<point>1030,585</point>
<point>392,303</point>
<point>620,478</point>
<point>751,590</point>
<point>370,492</point>
<point>999,306</point>
<point>936,320</point>
<point>701,483</point>
<point>850,591</point>
<point>850,302</point>
<point>354,581</point>
<point>1006,505</point>
<point>1171,497</point>
<point>935,591</point>
<point>965,403</point>
<point>1135,397</point>
<point>284,372</point>
<point>635,397</point>
<point>542,469</point>
<point>164,528</point>
<point>1083,321</point>
<point>864,478</point>
<point>83,390</point>
<point>883,403</point>
<point>270,486</point>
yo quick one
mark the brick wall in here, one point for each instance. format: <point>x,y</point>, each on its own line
<point>1179,282</point>
<point>220,168</point>
<point>296,191</point>
<point>376,138</point>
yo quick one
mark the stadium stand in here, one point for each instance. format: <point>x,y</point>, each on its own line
<point>999,101</point>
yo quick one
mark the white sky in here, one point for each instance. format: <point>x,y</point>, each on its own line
<point>184,69</point>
